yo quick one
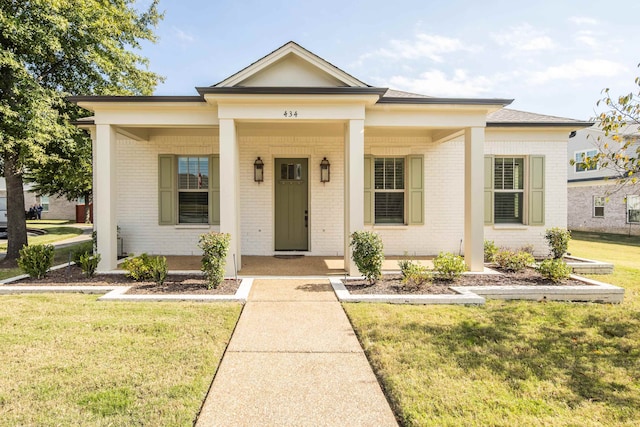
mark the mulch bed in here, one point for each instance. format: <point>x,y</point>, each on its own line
<point>175,284</point>
<point>392,284</point>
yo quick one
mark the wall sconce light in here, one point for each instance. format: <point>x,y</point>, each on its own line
<point>325,170</point>
<point>258,170</point>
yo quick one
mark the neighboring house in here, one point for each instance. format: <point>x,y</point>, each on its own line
<point>292,155</point>
<point>52,207</point>
<point>597,202</point>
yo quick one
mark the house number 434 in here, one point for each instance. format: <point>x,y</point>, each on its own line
<point>289,113</point>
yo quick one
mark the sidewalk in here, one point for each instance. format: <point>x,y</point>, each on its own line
<point>294,359</point>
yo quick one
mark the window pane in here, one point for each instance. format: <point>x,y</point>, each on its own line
<point>193,207</point>
<point>183,178</point>
<point>598,211</point>
<point>399,166</point>
<point>193,173</point>
<point>389,208</point>
<point>633,208</point>
<point>203,173</point>
<point>379,174</point>
<point>509,174</point>
<point>508,208</point>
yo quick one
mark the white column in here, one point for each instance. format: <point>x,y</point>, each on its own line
<point>353,187</point>
<point>474,198</point>
<point>229,195</point>
<point>104,169</point>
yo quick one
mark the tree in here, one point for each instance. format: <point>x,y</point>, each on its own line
<point>619,151</point>
<point>52,49</point>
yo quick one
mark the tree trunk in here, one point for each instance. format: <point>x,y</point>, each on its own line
<point>87,208</point>
<point>16,220</point>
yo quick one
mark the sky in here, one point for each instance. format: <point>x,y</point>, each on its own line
<point>552,57</point>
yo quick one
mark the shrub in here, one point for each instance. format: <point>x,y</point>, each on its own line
<point>528,248</point>
<point>367,254</point>
<point>158,267</point>
<point>490,250</point>
<point>558,239</point>
<point>449,266</point>
<point>138,268</point>
<point>513,261</point>
<point>83,248</point>
<point>554,269</point>
<point>36,260</point>
<point>215,247</point>
<point>88,263</point>
<point>414,275</point>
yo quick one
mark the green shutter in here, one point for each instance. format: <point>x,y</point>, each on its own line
<point>368,190</point>
<point>488,190</point>
<point>416,190</point>
<point>536,190</point>
<point>166,189</point>
<point>214,190</point>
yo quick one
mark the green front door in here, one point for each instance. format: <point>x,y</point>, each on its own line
<point>292,210</point>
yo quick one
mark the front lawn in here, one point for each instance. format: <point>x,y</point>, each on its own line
<point>55,232</point>
<point>513,363</point>
<point>70,360</point>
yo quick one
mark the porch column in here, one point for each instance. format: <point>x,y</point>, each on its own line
<point>104,169</point>
<point>229,194</point>
<point>474,198</point>
<point>353,187</point>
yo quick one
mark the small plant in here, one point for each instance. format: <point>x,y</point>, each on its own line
<point>158,266</point>
<point>490,250</point>
<point>449,266</point>
<point>84,248</point>
<point>558,239</point>
<point>215,247</point>
<point>36,260</point>
<point>554,269</point>
<point>528,248</point>
<point>138,268</point>
<point>513,261</point>
<point>414,275</point>
<point>367,254</point>
<point>88,263</point>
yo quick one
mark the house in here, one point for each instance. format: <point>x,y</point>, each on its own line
<point>52,207</point>
<point>291,154</point>
<point>597,201</point>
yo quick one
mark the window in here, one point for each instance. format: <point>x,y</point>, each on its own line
<point>44,202</point>
<point>193,190</point>
<point>508,176</point>
<point>389,190</point>
<point>633,209</point>
<point>581,156</point>
<point>598,206</point>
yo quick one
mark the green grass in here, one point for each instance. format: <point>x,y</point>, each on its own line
<point>61,256</point>
<point>55,233</point>
<point>70,360</point>
<point>513,363</point>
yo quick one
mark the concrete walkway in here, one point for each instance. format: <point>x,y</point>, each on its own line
<point>294,360</point>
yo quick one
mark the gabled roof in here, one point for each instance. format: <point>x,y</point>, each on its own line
<point>507,117</point>
<point>287,50</point>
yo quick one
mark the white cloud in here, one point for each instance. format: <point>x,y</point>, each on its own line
<point>583,20</point>
<point>588,38</point>
<point>577,69</point>
<point>183,37</point>
<point>437,83</point>
<point>524,38</point>
<point>423,46</point>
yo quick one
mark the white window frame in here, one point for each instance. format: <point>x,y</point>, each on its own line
<point>402,190</point>
<point>633,203</point>
<point>598,202</point>
<point>584,154</point>
<point>193,190</point>
<point>523,190</point>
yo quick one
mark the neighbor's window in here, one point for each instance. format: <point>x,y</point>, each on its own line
<point>193,190</point>
<point>508,190</point>
<point>581,156</point>
<point>633,209</point>
<point>598,206</point>
<point>44,202</point>
<point>389,190</point>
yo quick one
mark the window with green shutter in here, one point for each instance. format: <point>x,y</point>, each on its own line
<point>188,190</point>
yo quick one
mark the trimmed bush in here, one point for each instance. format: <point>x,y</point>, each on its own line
<point>490,250</point>
<point>414,275</point>
<point>513,261</point>
<point>88,263</point>
<point>558,240</point>
<point>367,254</point>
<point>554,269</point>
<point>158,266</point>
<point>138,268</point>
<point>449,266</point>
<point>215,247</point>
<point>36,260</point>
<point>83,249</point>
